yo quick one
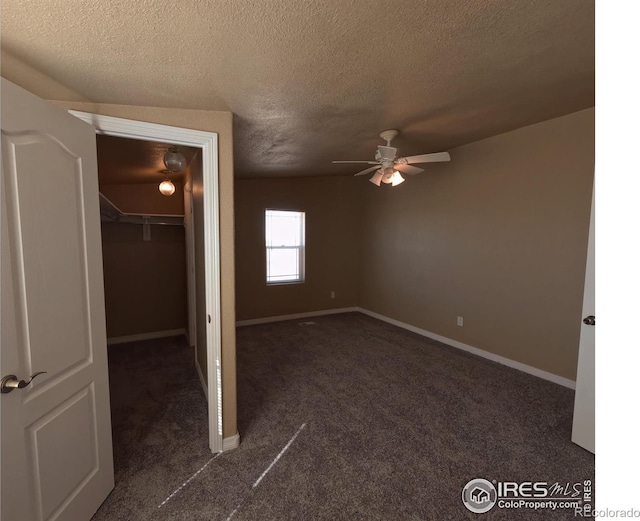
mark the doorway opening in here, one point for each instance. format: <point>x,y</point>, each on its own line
<point>203,191</point>
<point>146,256</point>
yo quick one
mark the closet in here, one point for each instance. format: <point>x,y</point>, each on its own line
<point>144,240</point>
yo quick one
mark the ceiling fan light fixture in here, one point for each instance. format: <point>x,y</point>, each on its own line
<point>390,165</point>
<point>387,153</point>
<point>174,160</point>
<point>376,178</point>
<point>167,187</point>
<point>396,179</point>
<point>387,175</point>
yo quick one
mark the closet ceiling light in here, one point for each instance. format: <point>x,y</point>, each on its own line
<point>174,160</point>
<point>167,187</point>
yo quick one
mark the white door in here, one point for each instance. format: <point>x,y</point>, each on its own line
<point>584,413</point>
<point>57,461</point>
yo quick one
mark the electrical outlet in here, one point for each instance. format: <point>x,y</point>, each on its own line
<point>333,294</point>
<point>460,321</point>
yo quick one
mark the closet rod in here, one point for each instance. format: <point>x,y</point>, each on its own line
<point>109,212</point>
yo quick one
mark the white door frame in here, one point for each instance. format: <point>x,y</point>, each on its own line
<point>191,265</point>
<point>208,142</point>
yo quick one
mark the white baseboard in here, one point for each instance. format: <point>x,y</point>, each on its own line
<point>231,443</point>
<point>565,382</point>
<point>201,376</point>
<point>145,336</point>
<point>280,318</point>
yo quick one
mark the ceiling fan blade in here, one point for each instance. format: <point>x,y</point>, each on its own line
<point>367,162</point>
<point>365,172</point>
<point>429,158</point>
<point>408,169</point>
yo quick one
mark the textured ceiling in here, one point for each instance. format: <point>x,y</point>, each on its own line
<point>311,81</point>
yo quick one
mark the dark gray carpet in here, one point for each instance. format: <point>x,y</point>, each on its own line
<point>396,424</point>
<point>159,424</point>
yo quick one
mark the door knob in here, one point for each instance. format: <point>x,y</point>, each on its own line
<point>11,382</point>
<point>590,320</point>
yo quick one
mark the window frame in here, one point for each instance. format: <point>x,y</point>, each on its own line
<point>301,249</point>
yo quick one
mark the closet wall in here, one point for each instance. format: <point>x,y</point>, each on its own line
<point>144,198</point>
<point>145,281</point>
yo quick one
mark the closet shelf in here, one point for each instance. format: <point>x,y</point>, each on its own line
<point>110,213</point>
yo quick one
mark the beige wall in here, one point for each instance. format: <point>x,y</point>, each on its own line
<point>498,236</point>
<point>144,281</point>
<point>332,218</point>
<point>145,199</point>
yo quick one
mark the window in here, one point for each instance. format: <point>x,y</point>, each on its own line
<point>284,237</point>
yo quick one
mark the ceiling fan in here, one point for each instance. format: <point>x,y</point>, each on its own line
<point>388,166</point>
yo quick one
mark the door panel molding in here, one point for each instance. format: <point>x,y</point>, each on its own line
<point>86,460</point>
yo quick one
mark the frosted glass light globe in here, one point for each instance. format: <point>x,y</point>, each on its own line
<point>396,179</point>
<point>174,160</point>
<point>167,187</point>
